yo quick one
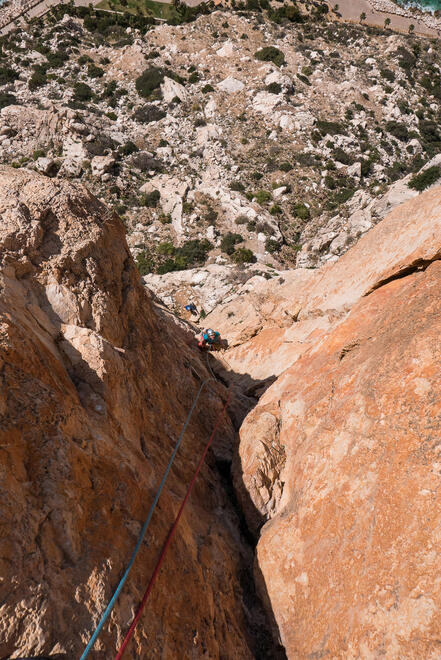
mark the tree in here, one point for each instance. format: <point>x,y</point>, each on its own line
<point>411,28</point>
<point>362,17</point>
<point>336,8</point>
<point>387,23</point>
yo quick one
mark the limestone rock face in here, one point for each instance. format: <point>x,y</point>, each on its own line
<point>341,459</point>
<point>271,325</point>
<point>95,387</point>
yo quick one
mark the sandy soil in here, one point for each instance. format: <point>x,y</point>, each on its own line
<point>351,10</point>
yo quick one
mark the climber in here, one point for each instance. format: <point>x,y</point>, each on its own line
<point>191,307</point>
<point>210,339</point>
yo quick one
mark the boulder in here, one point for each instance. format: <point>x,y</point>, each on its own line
<point>171,89</point>
<point>102,165</point>
<point>47,166</point>
<point>231,85</point>
<point>227,50</point>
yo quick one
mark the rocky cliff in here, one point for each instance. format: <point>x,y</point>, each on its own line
<point>339,461</point>
<point>95,386</point>
<point>336,472</point>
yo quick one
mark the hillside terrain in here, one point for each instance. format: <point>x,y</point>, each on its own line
<point>256,135</point>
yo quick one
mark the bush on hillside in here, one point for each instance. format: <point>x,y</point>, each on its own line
<point>152,78</point>
<point>229,241</point>
<point>82,92</point>
<point>274,88</point>
<point>429,130</point>
<point>57,59</point>
<point>149,81</point>
<point>192,253</point>
<point>271,245</point>
<point>270,54</point>
<point>144,264</point>
<point>341,156</point>
<point>243,256</point>
<point>151,200</point>
<point>330,127</point>
<point>263,196</point>
<point>84,59</point>
<point>7,99</point>
<point>38,79</point>
<point>7,75</point>
<point>148,113</point>
<point>301,211</point>
<point>426,178</point>
<point>94,71</point>
<point>387,74</point>
<point>398,130</point>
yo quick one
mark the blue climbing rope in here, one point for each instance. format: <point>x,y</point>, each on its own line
<point>112,601</point>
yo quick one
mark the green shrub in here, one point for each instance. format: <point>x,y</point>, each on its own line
<point>84,59</point>
<point>306,159</point>
<point>426,178</point>
<point>304,79</point>
<point>166,248</point>
<point>342,157</point>
<point>194,251</point>
<point>301,211</point>
<point>193,78</point>
<point>263,196</point>
<point>407,60</point>
<point>206,89</point>
<point>144,264</point>
<point>57,59</point>
<point>38,79</point>
<point>243,256</point>
<point>94,71</point>
<point>270,54</point>
<point>398,130</point>
<point>7,75</point>
<point>429,130</point>
<point>274,88</point>
<point>241,220</point>
<point>330,127</point>
<point>271,245</point>
<point>396,171</point>
<point>7,99</point>
<point>151,199</point>
<point>285,166</point>
<point>82,92</point>
<point>148,113</point>
<point>38,153</point>
<point>229,242</point>
<point>149,81</point>
<point>387,74</point>
<point>237,186</point>
<point>128,148</point>
<point>275,209</point>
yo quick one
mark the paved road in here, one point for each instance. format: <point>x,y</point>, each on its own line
<point>351,10</point>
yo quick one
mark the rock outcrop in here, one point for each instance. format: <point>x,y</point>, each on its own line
<point>95,387</point>
<point>340,457</point>
<point>269,325</point>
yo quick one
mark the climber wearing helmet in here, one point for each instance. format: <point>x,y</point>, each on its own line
<point>209,339</point>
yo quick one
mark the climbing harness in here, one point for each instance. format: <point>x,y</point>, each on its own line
<point>118,589</point>
<point>171,533</point>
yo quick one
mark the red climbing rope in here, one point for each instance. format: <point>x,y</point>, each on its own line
<point>170,537</point>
